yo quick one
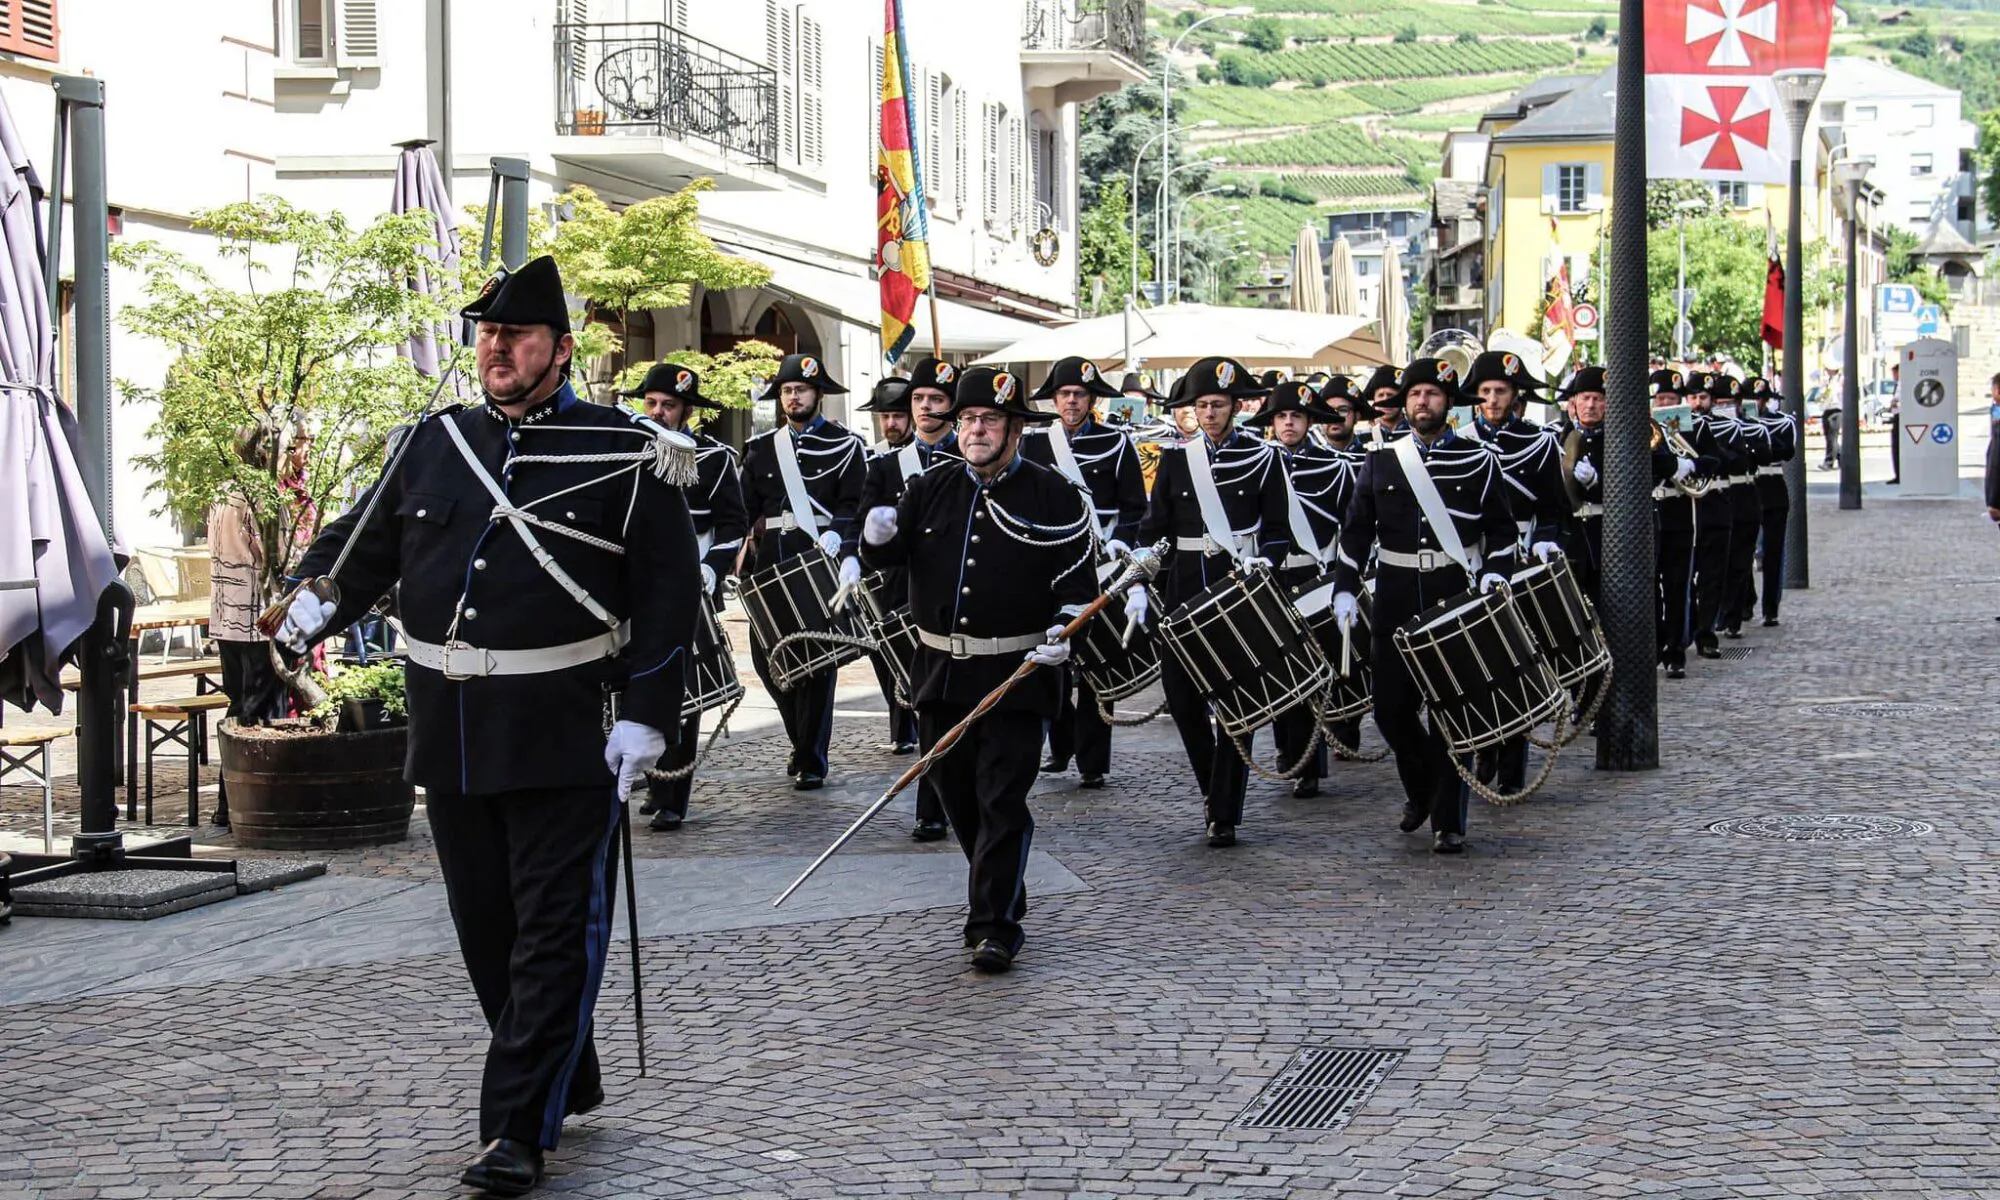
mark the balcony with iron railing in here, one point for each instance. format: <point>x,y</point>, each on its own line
<point>647,102</point>
<point>1075,50</point>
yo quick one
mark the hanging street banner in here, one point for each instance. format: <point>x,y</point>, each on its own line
<point>1712,110</point>
<point>902,230</point>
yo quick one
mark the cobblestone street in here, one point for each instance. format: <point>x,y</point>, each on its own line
<point>1603,998</point>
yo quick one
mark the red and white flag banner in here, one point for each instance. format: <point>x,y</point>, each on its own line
<point>1712,111</point>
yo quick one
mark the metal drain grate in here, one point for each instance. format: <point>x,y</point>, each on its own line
<point>1823,827</point>
<point>1878,708</point>
<point>1320,1088</point>
<point>1737,653</point>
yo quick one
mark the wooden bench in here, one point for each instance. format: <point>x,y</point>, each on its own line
<point>200,668</point>
<point>22,751</point>
<point>181,721</point>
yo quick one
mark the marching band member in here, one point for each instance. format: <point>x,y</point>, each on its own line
<point>889,401</point>
<point>1340,411</point>
<point>1721,443</point>
<point>715,504</point>
<point>802,483</point>
<point>1584,401</point>
<point>1383,393</point>
<point>1239,480</point>
<point>1417,568</point>
<point>1101,461</point>
<point>1674,511</point>
<point>1000,556</point>
<point>1746,507</point>
<point>925,398</point>
<point>1774,496</point>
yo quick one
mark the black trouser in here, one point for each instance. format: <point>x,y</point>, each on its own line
<point>250,681</point>
<point>1423,761</point>
<point>1218,768</point>
<point>902,722</point>
<point>1829,427</point>
<point>1079,731</point>
<point>1586,556</point>
<point>1711,565</point>
<point>531,876</point>
<point>983,781</point>
<point>1347,733</point>
<point>807,712</point>
<point>1896,446</point>
<point>1676,551</point>
<point>1746,516</point>
<point>1293,730</point>
<point>1775,519</point>
<point>671,795</point>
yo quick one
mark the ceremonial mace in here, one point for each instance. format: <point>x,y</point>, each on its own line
<point>1144,564</point>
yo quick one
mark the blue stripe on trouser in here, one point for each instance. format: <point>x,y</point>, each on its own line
<point>596,943</point>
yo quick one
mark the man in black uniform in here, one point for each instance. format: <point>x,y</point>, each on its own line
<point>1249,483</point>
<point>1383,393</point>
<point>890,403</point>
<point>1674,510</point>
<point>802,483</point>
<point>1781,432</point>
<point>1582,440</point>
<point>1099,460</point>
<point>999,553</point>
<point>715,504</point>
<point>927,396</point>
<point>1718,442</point>
<point>545,554</point>
<point>1746,507</point>
<point>1417,568</point>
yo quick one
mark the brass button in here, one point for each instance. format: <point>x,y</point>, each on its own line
<point>964,591</point>
<point>471,614</point>
<point>423,512</point>
<point>479,564</point>
<point>975,537</point>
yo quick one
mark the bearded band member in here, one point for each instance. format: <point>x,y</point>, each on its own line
<point>545,554</point>
<point>802,483</point>
<point>1000,556</point>
<point>1102,462</point>
<point>715,504</point>
<point>889,401</point>
<point>1249,487</point>
<point>1415,571</point>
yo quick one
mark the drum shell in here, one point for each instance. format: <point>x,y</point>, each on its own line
<point>1351,695</point>
<point>711,676</point>
<point>896,638</point>
<point>1562,621</point>
<point>792,597</point>
<point>1481,675</point>
<point>1247,651</point>
<point>1115,668</point>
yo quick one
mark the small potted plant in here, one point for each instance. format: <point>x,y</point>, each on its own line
<point>361,699</point>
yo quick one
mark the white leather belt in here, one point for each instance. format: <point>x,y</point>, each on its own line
<point>1422,560</point>
<point>1741,480</point>
<point>457,660</point>
<point>1294,562</point>
<point>1590,510</point>
<point>787,520</point>
<point>1771,469</point>
<point>1663,492</point>
<point>1201,545</point>
<point>960,645</point>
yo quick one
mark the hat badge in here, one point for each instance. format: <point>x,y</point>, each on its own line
<point>1510,364</point>
<point>946,372</point>
<point>682,381</point>
<point>1225,373</point>
<point>1003,387</point>
<point>1145,379</point>
<point>808,366</point>
<point>1088,371</point>
<point>1446,373</point>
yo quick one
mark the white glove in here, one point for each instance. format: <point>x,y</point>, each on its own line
<point>1137,605</point>
<point>850,571</point>
<point>1585,473</point>
<point>1346,609</point>
<point>879,526</point>
<point>1256,562</point>
<point>1051,653</point>
<point>1489,581</point>
<point>830,542</point>
<point>1116,548</point>
<point>306,617</point>
<point>1683,467</point>
<point>708,579</point>
<point>630,750</point>
<point>1546,550</point>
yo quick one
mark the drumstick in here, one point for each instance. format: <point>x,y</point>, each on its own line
<point>1346,648</point>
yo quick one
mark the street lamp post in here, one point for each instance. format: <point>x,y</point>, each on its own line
<point>1683,321</point>
<point>1180,215</point>
<point>1161,249</point>
<point>1132,196</point>
<point>1849,174</point>
<point>1800,91</point>
<point>1167,110</point>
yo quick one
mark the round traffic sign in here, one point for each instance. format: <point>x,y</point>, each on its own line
<point>1942,434</point>
<point>1930,392</point>
<point>1585,316</point>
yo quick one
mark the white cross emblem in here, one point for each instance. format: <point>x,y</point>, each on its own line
<point>1734,24</point>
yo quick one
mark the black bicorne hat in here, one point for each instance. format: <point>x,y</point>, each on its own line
<point>1273,377</point>
<point>802,368</point>
<point>1142,383</point>
<point>1502,366</point>
<point>1216,376</point>
<point>1293,395</point>
<point>1075,372</point>
<point>1757,388</point>
<point>1385,376</point>
<point>1340,387</point>
<point>1667,380</point>
<point>935,373</point>
<point>1586,379</point>
<point>532,295</point>
<point>1434,371</point>
<point>1003,391</point>
<point>674,380</point>
<point>890,395</point>
<point>1724,387</point>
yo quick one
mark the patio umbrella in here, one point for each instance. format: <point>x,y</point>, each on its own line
<point>1308,273</point>
<point>1343,290</point>
<point>1176,335</point>
<point>1395,318</point>
<point>420,184</point>
<point>54,558</point>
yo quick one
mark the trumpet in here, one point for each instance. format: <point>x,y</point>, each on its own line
<point>1676,441</point>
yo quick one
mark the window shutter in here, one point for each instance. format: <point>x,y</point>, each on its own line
<point>28,28</point>
<point>992,169</point>
<point>1038,177</point>
<point>357,34</point>
<point>1593,185</point>
<point>874,94</point>
<point>961,165</point>
<point>933,134</point>
<point>677,15</point>
<point>812,148</point>
<point>1017,170</point>
<point>1549,174</point>
<point>778,48</point>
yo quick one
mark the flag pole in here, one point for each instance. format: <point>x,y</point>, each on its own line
<point>937,333</point>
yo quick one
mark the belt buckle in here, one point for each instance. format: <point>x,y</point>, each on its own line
<point>960,646</point>
<point>1427,560</point>
<point>482,665</point>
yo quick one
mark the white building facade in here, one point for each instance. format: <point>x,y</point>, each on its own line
<point>1914,132</point>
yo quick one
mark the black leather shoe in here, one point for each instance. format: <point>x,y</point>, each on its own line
<point>1448,843</point>
<point>1051,767</point>
<point>1770,622</point>
<point>579,1105</point>
<point>1676,671</point>
<point>1415,816</point>
<point>1305,789</point>
<point>992,958</point>
<point>792,764</point>
<point>648,806</point>
<point>1708,651</point>
<point>929,831</point>
<point>1734,632</point>
<point>903,748</point>
<point>808,783</point>
<point>664,819</point>
<point>1221,836</point>
<point>1091,781</point>
<point>505,1167</point>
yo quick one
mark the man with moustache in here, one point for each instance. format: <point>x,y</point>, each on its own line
<point>1383,394</point>
<point>992,549</point>
<point>1100,461</point>
<point>802,483</point>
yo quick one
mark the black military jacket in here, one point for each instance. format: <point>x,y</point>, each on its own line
<point>1592,451</point>
<point>833,461</point>
<point>884,486</point>
<point>971,573</point>
<point>1531,459</point>
<point>1109,464</point>
<point>1721,449</point>
<point>715,504</point>
<point>1323,480</point>
<point>436,532</point>
<point>1385,510</point>
<point>1251,484</point>
<point>1781,432</point>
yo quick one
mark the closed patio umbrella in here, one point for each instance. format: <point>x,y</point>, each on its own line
<point>1343,289</point>
<point>1395,318</point>
<point>420,184</point>
<point>1308,273</point>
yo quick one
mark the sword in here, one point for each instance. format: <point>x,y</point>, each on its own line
<point>1144,565</point>
<point>632,927</point>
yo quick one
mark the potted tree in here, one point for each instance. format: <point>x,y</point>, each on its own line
<point>298,348</point>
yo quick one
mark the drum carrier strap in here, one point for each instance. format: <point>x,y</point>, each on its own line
<point>1302,530</point>
<point>1213,518</point>
<point>908,460</point>
<point>1435,514</point>
<point>796,497</point>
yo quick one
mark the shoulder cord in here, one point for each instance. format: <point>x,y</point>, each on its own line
<point>1085,527</point>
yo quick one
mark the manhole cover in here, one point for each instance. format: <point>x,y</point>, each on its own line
<point>1737,653</point>
<point>1881,708</point>
<point>1320,1088</point>
<point>1823,827</point>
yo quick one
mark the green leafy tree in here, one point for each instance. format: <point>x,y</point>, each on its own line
<point>294,353</point>
<point>1905,264</point>
<point>1989,162</point>
<point>1264,33</point>
<point>726,376</point>
<point>1104,250</point>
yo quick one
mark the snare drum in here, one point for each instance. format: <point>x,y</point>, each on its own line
<point>1561,618</point>
<point>896,635</point>
<point>1112,665</point>
<point>711,674</point>
<point>793,597</point>
<point>1247,651</point>
<point>1482,677</point>
<point>1351,695</point>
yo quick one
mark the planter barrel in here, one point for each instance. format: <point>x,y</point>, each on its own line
<point>323,791</point>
